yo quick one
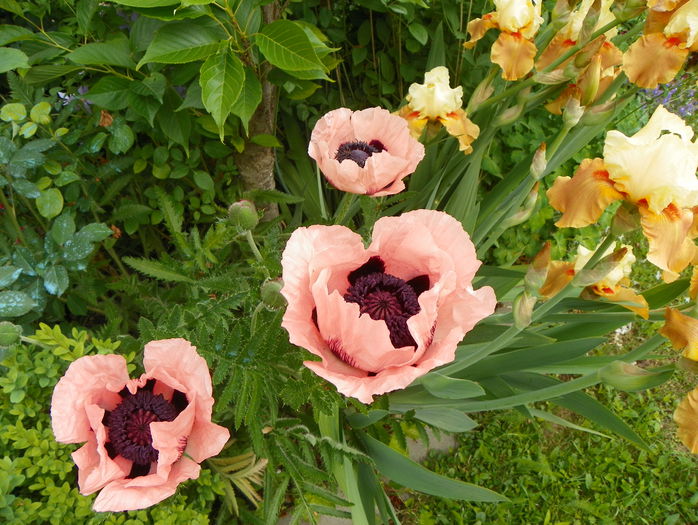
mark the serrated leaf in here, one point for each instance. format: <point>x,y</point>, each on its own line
<point>112,53</point>
<point>146,3</point>
<point>122,138</point>
<point>8,275</point>
<point>50,203</point>
<point>152,86</point>
<point>156,269</point>
<point>43,74</point>
<point>11,58</point>
<point>12,6</point>
<point>77,248</point>
<point>14,304</point>
<point>181,42</point>
<point>84,11</point>
<point>7,149</point>
<point>221,80</point>
<point>127,211</point>
<point>248,100</point>
<point>285,45</point>
<point>56,280</point>
<point>10,34</point>
<point>110,93</point>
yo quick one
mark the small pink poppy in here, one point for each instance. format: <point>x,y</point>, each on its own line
<point>144,436</point>
<point>367,152</point>
<point>379,317</point>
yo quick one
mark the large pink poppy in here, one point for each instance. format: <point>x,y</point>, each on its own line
<point>366,152</point>
<point>379,317</point>
<point>144,436</point>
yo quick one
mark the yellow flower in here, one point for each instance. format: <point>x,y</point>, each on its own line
<point>686,417</point>
<point>653,169</point>
<point>682,331</point>
<point>514,50</point>
<point>671,31</point>
<point>435,98</point>
<point>434,104</point>
<point>613,287</point>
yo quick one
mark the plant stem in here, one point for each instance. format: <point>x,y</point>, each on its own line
<point>11,212</point>
<point>253,246</point>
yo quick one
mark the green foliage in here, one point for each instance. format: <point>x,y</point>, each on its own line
<point>38,478</point>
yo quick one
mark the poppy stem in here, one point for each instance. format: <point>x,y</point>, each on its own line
<point>343,215</point>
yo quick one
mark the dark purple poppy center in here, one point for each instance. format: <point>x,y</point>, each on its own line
<point>358,151</point>
<point>387,298</point>
<point>128,425</point>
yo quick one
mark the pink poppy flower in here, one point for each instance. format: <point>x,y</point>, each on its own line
<point>143,436</point>
<point>379,317</point>
<point>367,152</point>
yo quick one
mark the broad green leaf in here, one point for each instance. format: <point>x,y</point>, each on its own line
<point>146,107</point>
<point>56,280</point>
<point>285,45</point>
<point>11,58</point>
<point>65,178</point>
<point>14,304</point>
<point>42,74</point>
<point>156,269</point>
<point>193,98</point>
<point>26,188</point>
<point>250,97</point>
<point>76,248</point>
<point>419,32</point>
<point>130,210</point>
<point>110,93</point>
<point>181,42</point>
<point>146,3</point>
<point>12,6</point>
<point>10,34</point>
<point>8,275</point>
<point>152,86</point>
<point>14,112</point>
<point>176,125</point>
<point>113,53</point>
<point>7,150</point>
<point>451,388</point>
<point>221,80</point>
<point>631,378</point>
<point>50,203</point>
<point>404,471</point>
<point>28,129</point>
<point>62,228</point>
<point>41,113</point>
<point>84,11</point>
<point>445,418</point>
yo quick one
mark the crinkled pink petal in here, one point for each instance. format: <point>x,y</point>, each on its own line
<point>89,379</point>
<point>423,323</point>
<point>365,388</point>
<point>179,359</point>
<point>445,233</point>
<point>383,171</point>
<point>95,467</point>
<point>307,253</point>
<point>119,496</point>
<point>206,440</point>
<point>362,342</point>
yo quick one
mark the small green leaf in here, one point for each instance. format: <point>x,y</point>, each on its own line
<point>28,129</point>
<point>62,228</point>
<point>65,178</point>
<point>221,80</point>
<point>419,32</point>
<point>14,304</point>
<point>95,232</point>
<point>77,248</point>
<point>181,42</point>
<point>50,203</point>
<point>285,45</point>
<point>8,275</point>
<point>268,141</point>
<point>41,113</point>
<point>11,58</point>
<point>56,280</point>
<point>122,138</point>
<point>203,180</point>
<point>15,112</point>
